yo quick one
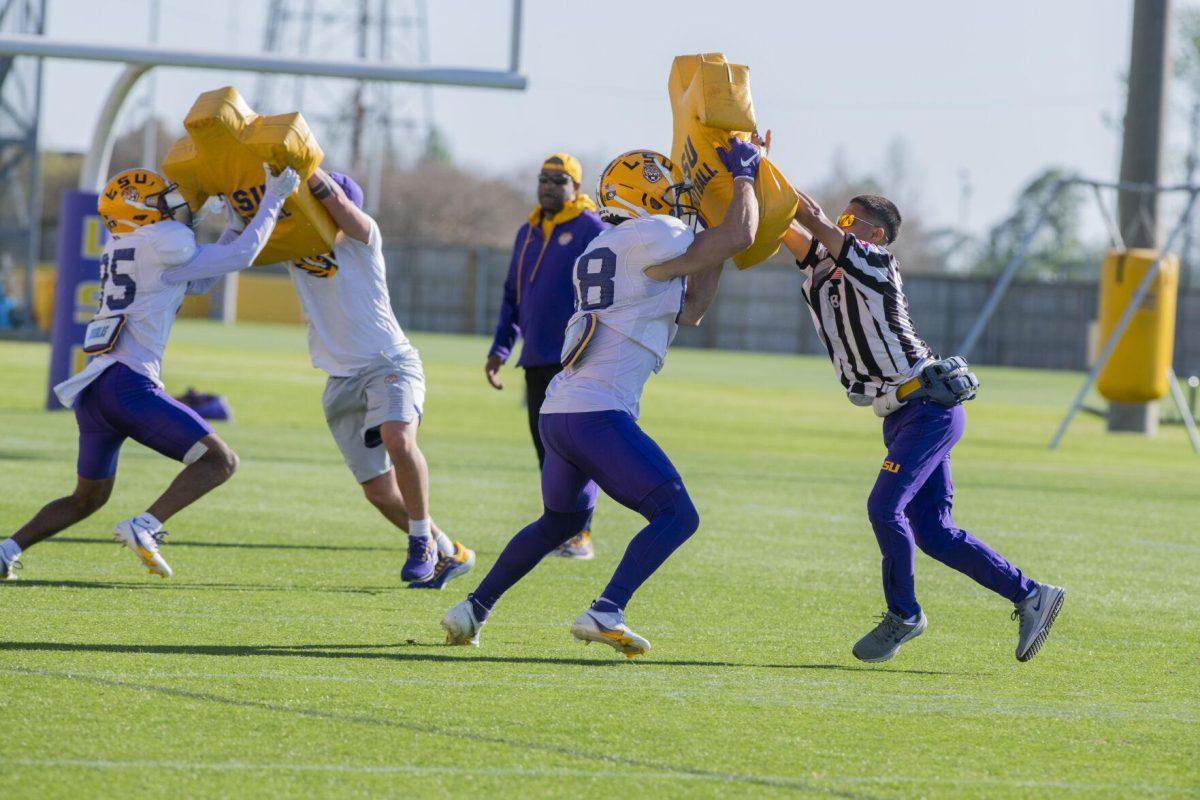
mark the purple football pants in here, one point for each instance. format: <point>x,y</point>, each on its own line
<point>122,404</point>
<point>910,507</point>
<point>585,452</point>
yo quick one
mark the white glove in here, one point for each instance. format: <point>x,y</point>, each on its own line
<point>281,186</point>
<point>886,403</point>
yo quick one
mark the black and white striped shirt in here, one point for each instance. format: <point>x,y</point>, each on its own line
<point>861,314</point>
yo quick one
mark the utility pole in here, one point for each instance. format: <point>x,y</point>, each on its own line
<point>1141,161</point>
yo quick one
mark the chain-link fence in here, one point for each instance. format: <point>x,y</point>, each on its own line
<point>458,290</point>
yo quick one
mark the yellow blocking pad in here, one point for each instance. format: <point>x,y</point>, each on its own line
<point>710,100</point>
<point>223,154</point>
<point>1137,370</point>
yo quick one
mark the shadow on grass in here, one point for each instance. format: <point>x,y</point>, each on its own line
<point>456,735</point>
<point>173,543</point>
<point>26,455</point>
<point>161,586</point>
<point>372,652</point>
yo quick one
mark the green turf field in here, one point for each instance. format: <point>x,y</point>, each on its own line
<point>285,659</point>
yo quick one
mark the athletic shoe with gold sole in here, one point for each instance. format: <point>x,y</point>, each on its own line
<point>448,568</point>
<point>608,627</point>
<point>144,543</point>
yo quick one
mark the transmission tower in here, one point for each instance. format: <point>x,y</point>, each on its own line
<point>363,127</point>
<point>20,166</point>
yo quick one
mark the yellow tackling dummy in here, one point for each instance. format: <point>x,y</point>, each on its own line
<point>223,152</point>
<point>710,99</point>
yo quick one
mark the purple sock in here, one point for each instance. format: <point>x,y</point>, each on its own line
<point>606,606</point>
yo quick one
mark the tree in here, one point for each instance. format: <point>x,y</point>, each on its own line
<point>917,246</point>
<point>1058,250</point>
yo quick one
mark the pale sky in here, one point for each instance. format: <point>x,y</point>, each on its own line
<point>992,92</point>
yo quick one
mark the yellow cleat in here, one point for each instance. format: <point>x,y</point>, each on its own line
<point>609,628</point>
<point>144,542</point>
<point>461,626</point>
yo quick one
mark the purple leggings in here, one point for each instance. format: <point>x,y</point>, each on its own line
<point>910,507</point>
<point>122,404</point>
<point>586,451</point>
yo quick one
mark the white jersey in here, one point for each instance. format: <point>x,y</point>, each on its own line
<point>143,278</point>
<point>344,296</point>
<point>637,315</point>
<point>131,284</point>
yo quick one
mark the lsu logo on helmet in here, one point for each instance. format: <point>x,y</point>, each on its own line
<point>641,183</point>
<point>136,198</point>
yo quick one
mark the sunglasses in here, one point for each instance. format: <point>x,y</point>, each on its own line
<point>557,180</point>
<point>846,220</point>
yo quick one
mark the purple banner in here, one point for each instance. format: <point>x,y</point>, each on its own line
<point>81,239</point>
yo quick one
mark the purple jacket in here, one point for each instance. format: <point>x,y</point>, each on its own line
<point>539,295</point>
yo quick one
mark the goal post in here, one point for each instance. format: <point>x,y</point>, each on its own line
<point>81,236</point>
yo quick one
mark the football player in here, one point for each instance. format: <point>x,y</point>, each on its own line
<point>148,264</point>
<point>376,388</point>
<point>634,285</point>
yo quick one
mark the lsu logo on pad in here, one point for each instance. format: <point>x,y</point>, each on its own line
<point>318,266</point>
<point>891,466</point>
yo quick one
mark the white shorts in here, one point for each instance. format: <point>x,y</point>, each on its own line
<point>390,390</point>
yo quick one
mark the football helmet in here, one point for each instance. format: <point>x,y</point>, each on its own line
<point>139,197</point>
<point>641,183</point>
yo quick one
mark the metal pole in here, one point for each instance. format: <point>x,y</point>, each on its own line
<point>150,131</point>
<point>1010,269</point>
<point>1135,302</point>
<point>22,45</point>
<point>514,52</point>
<point>34,246</point>
<point>1141,160</point>
<point>95,164</point>
<point>1184,411</point>
<point>1145,112</point>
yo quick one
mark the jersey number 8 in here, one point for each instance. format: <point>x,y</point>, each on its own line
<point>596,286</point>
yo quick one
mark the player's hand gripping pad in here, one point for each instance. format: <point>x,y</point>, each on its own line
<point>223,152</point>
<point>710,99</point>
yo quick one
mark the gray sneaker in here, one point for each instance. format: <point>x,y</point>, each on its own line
<point>885,639</point>
<point>1037,614</point>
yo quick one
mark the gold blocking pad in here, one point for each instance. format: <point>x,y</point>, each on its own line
<point>223,154</point>
<point>710,101</point>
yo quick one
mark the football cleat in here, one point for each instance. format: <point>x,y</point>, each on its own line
<point>8,569</point>
<point>136,198</point>
<point>448,568</point>
<point>143,541</point>
<point>422,559</point>
<point>577,547</point>
<point>642,183</point>
<point>1037,614</point>
<point>461,625</point>
<point>608,627</point>
<point>882,641</point>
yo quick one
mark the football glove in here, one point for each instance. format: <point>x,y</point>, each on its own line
<point>741,159</point>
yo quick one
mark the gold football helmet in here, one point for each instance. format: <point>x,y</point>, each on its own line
<point>136,198</point>
<point>641,183</point>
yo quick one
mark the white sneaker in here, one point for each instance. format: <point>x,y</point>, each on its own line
<point>144,541</point>
<point>609,628</point>
<point>8,569</point>
<point>460,624</point>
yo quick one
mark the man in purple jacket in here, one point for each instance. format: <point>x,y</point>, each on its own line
<point>539,297</point>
